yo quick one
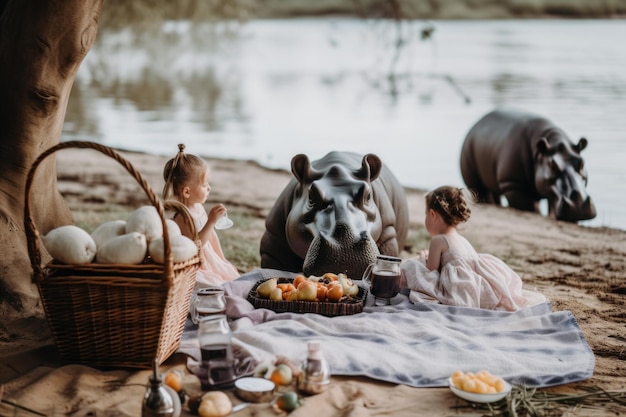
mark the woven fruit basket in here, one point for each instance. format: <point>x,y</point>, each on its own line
<point>112,315</point>
<point>344,307</point>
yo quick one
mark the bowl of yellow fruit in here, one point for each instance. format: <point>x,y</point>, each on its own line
<point>480,387</point>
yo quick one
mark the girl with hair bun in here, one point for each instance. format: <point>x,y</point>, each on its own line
<point>450,271</point>
<point>187,182</point>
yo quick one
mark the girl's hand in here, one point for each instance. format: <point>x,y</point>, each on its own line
<point>423,254</point>
<point>215,213</point>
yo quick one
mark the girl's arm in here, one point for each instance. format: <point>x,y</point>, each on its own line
<point>438,245</point>
<point>207,232</point>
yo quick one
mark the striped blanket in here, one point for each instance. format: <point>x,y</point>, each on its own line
<point>418,345</point>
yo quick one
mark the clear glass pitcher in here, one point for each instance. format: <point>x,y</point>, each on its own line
<point>209,301</point>
<point>383,278</point>
<point>216,351</point>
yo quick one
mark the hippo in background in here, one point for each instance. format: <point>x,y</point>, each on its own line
<point>526,158</point>
<point>336,215</point>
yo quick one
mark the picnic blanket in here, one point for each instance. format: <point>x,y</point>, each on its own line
<point>419,345</point>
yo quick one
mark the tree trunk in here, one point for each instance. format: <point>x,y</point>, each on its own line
<point>42,44</point>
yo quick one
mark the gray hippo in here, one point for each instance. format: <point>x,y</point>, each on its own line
<point>336,215</point>
<point>526,158</point>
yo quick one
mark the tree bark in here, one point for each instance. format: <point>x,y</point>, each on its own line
<point>42,44</point>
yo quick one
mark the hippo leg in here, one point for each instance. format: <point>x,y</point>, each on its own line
<point>519,200</point>
<point>388,242</point>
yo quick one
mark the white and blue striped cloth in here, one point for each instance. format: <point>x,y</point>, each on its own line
<point>419,345</point>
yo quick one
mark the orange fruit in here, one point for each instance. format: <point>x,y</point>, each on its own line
<point>174,380</point>
<point>321,292</point>
<point>335,291</point>
<point>282,375</point>
<point>298,280</point>
<point>288,401</point>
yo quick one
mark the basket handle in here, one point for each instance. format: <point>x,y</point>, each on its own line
<point>32,234</point>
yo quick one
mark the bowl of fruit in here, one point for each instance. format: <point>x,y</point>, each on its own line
<point>480,387</point>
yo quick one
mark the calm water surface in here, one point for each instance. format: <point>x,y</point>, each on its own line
<point>267,90</point>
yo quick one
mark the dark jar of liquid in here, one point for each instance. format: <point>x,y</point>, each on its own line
<point>215,338</point>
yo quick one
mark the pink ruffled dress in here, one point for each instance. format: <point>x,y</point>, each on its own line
<point>466,278</point>
<point>215,268</point>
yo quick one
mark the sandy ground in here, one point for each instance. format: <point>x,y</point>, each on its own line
<point>578,268</point>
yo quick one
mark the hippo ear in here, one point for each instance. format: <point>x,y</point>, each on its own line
<point>301,169</point>
<point>370,167</point>
<point>582,144</point>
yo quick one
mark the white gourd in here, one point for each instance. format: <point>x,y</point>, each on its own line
<point>145,220</point>
<point>70,245</point>
<point>182,247</point>
<point>172,228</point>
<point>129,248</point>
<point>107,231</point>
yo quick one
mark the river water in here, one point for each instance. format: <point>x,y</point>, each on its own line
<point>267,90</point>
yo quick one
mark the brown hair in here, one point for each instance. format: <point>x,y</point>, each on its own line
<point>450,203</point>
<point>181,171</point>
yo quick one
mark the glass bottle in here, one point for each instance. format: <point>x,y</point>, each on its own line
<point>315,375</point>
<point>157,401</point>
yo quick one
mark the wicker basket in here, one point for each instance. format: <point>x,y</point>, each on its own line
<point>112,315</point>
<point>349,306</point>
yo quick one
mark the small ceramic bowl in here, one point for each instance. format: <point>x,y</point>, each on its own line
<point>255,390</point>
<point>480,398</point>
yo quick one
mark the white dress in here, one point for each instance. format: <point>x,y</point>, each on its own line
<point>466,278</point>
<point>215,268</point>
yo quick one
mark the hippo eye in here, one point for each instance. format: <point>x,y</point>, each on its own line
<point>316,199</point>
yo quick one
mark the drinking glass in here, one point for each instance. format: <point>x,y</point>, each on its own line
<point>223,222</point>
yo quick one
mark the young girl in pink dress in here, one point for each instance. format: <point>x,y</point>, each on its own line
<point>187,181</point>
<point>450,271</point>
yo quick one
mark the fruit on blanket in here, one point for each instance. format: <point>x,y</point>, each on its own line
<point>282,375</point>
<point>307,291</point>
<point>335,291</point>
<point>482,382</point>
<point>265,288</point>
<point>288,401</point>
<point>174,380</point>
<point>283,360</point>
<point>215,404</point>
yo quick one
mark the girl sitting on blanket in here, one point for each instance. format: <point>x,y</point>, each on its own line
<point>450,271</point>
<point>187,181</point>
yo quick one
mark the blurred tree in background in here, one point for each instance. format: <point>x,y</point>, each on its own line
<point>120,12</point>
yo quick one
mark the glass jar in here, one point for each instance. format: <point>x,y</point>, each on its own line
<point>383,278</point>
<point>217,362</point>
<point>209,301</point>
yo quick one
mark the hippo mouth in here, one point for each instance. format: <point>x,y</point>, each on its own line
<point>340,254</point>
<point>570,210</point>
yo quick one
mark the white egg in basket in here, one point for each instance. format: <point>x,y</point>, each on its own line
<point>480,398</point>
